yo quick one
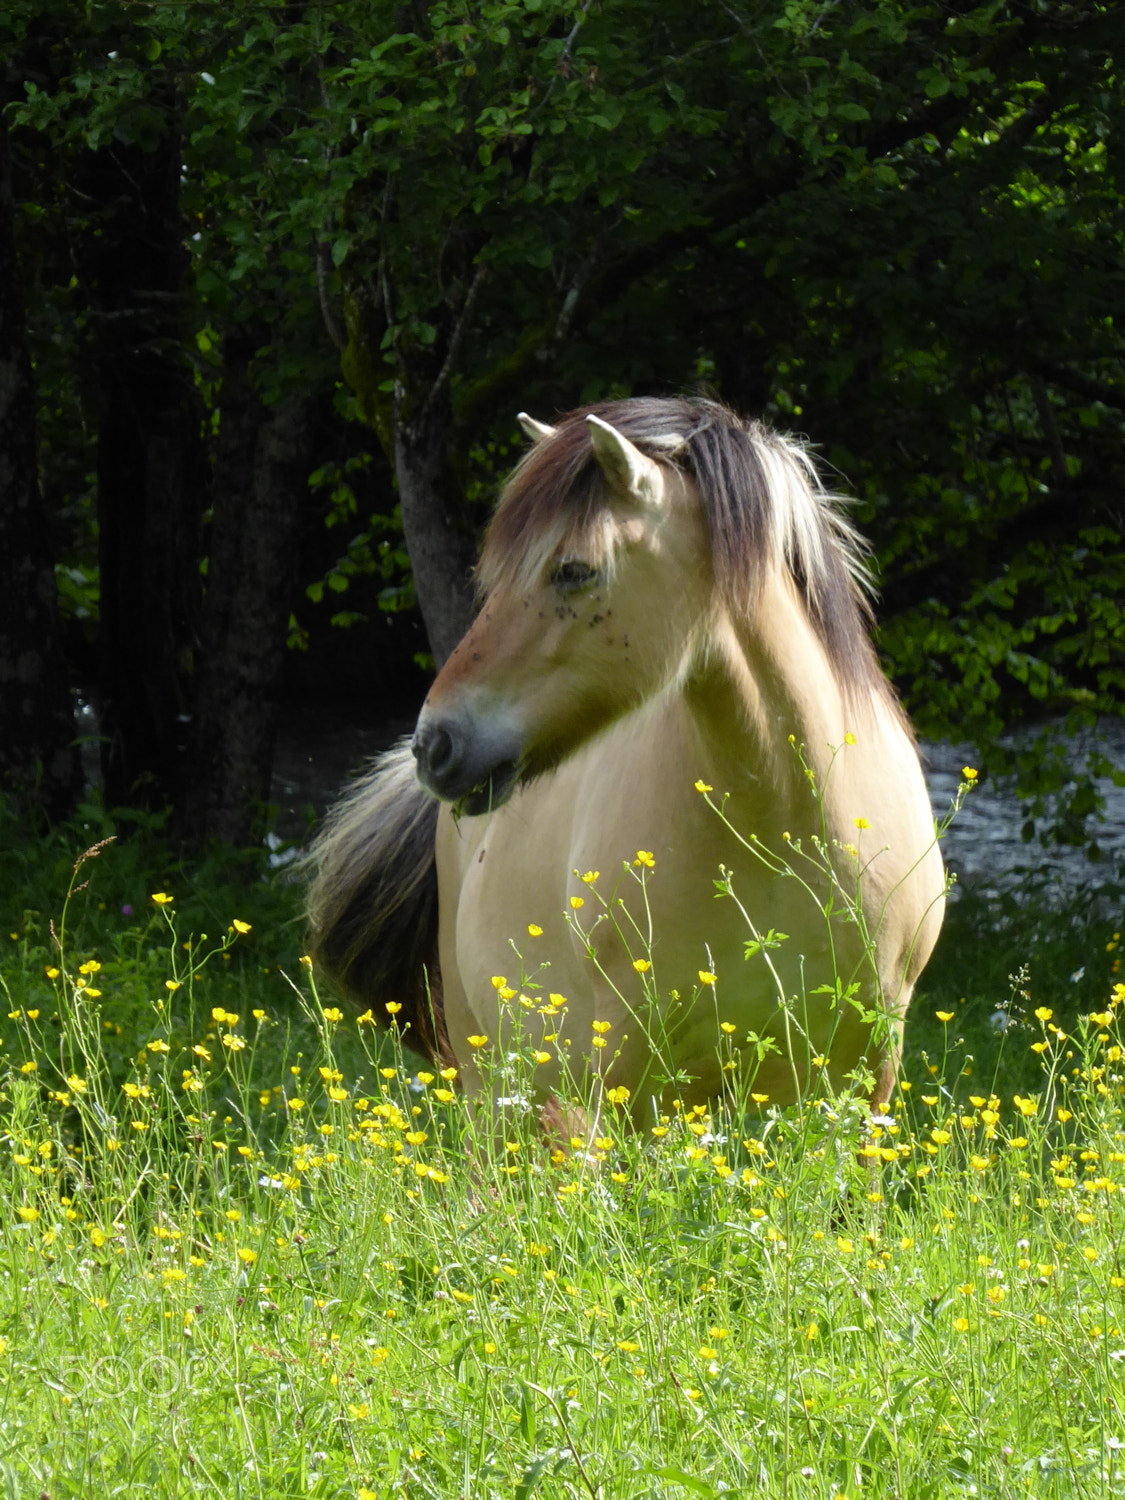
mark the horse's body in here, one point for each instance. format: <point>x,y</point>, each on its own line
<point>668,600</point>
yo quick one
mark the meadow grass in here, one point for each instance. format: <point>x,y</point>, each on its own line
<point>251,1247</point>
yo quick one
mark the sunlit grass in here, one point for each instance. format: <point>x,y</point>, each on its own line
<point>248,1248</point>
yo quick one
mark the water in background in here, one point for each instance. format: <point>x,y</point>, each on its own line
<point>985,844</point>
<point>323,743</point>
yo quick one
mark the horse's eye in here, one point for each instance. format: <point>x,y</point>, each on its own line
<point>572,573</point>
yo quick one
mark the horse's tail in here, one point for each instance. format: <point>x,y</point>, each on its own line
<point>372,901</point>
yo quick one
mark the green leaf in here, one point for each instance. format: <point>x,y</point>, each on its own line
<point>678,1476</point>
<point>533,1473</point>
<point>527,1415</point>
<point>935,83</point>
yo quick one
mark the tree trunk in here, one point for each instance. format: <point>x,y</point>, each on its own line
<point>149,485</point>
<point>150,467</point>
<point>37,753</point>
<point>441,552</point>
<point>263,461</point>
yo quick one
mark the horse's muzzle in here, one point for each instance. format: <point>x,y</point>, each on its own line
<point>462,763</point>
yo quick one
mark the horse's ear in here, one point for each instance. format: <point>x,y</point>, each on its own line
<point>625,466</point>
<point>536,431</point>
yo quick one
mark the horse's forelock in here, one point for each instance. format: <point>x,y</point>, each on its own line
<point>536,508</point>
<point>556,497</point>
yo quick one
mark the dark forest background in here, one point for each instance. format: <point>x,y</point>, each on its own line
<point>275,278</point>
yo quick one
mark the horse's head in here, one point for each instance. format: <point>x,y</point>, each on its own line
<point>597,581</point>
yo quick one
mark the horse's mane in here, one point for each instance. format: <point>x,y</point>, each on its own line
<point>763,501</point>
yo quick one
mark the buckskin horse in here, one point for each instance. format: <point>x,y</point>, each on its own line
<point>670,603</point>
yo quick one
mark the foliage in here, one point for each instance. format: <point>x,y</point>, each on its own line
<point>277,1250</point>
<point>897,227</point>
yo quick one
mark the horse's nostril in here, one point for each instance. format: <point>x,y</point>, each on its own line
<point>434,750</point>
<point>440,750</point>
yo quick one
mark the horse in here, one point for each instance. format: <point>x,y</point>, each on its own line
<point>670,685</point>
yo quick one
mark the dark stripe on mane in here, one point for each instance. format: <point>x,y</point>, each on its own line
<point>761,497</point>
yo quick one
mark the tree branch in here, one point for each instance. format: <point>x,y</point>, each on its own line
<point>578,286</point>
<point>1059,472</point>
<point>564,58</point>
<point>1084,385</point>
<point>456,340</point>
<point>335,332</point>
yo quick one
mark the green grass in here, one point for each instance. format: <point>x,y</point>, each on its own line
<point>285,1265</point>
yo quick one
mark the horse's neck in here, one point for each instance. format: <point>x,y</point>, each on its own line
<point>764,687</point>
